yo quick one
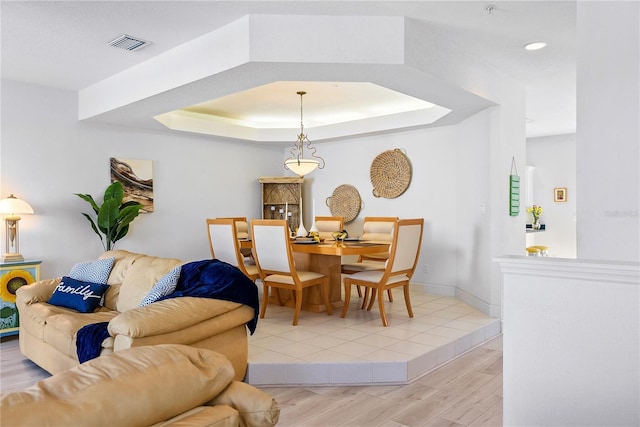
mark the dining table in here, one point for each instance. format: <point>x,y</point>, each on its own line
<point>326,258</point>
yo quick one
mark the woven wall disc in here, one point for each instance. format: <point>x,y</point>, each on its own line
<point>345,202</point>
<point>390,174</point>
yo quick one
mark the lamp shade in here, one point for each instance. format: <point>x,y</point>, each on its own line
<point>12,206</point>
<point>301,167</point>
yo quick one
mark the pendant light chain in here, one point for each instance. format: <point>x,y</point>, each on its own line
<point>302,135</point>
<point>297,163</point>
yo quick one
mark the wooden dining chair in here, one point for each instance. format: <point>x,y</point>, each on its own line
<point>327,225</point>
<point>403,258</point>
<point>378,229</point>
<point>225,246</point>
<point>274,258</point>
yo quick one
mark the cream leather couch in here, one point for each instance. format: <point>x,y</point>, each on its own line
<point>163,385</point>
<point>48,332</point>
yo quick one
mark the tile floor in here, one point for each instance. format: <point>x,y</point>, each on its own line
<point>358,350</point>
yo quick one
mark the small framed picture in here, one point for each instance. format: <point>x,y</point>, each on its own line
<point>560,194</point>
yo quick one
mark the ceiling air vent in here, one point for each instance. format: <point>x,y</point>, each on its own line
<point>128,43</point>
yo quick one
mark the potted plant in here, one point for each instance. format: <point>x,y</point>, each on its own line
<point>113,217</point>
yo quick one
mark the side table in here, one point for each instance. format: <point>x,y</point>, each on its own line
<point>12,276</point>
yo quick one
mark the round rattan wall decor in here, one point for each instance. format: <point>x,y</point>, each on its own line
<point>345,202</point>
<point>390,174</point>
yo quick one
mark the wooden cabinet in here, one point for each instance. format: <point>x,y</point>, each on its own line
<point>12,276</point>
<point>279,195</point>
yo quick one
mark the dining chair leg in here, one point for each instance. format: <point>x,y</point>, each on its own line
<point>347,299</point>
<point>265,299</point>
<point>374,294</point>
<point>383,315</point>
<point>359,291</point>
<point>296,314</point>
<point>407,300</point>
<point>367,295</point>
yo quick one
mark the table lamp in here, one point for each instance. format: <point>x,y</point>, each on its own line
<point>11,207</point>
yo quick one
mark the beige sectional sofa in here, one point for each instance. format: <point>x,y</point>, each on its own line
<point>48,332</point>
<point>163,385</point>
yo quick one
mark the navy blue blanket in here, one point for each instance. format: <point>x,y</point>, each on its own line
<point>210,278</point>
<point>89,340</point>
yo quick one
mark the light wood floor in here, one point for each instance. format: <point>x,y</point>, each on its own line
<point>465,392</point>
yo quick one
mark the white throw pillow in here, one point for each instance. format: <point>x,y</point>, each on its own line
<point>93,271</point>
<point>165,286</point>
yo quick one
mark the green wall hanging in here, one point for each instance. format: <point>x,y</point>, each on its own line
<point>514,190</point>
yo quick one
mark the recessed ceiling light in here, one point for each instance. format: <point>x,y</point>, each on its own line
<point>535,45</point>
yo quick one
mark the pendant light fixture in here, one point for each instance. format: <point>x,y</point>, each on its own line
<point>297,163</point>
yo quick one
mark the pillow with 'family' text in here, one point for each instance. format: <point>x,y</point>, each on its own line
<point>165,286</point>
<point>93,271</point>
<point>81,296</point>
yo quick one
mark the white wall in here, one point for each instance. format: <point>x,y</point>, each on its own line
<point>571,342</point>
<point>472,197</point>
<point>554,159</point>
<point>47,155</point>
<point>427,50</point>
<point>608,152</point>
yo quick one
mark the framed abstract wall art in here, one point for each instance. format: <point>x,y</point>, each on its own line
<point>136,177</point>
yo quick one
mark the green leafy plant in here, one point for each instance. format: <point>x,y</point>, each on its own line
<point>113,217</point>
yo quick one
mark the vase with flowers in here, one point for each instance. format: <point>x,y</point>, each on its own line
<point>535,211</point>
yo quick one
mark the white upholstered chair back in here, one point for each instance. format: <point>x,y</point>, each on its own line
<point>224,245</point>
<point>407,246</point>
<point>327,225</point>
<point>378,229</point>
<point>271,246</point>
<point>222,240</point>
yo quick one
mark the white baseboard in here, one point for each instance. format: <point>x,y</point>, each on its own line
<point>451,291</point>
<point>444,290</point>
<point>481,305</point>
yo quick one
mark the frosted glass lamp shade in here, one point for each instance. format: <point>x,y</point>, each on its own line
<point>301,167</point>
<point>11,207</point>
